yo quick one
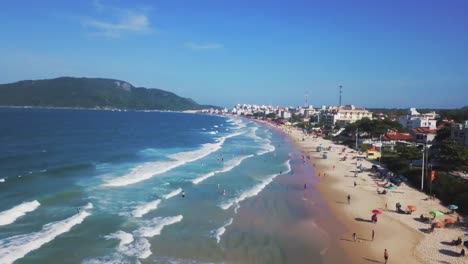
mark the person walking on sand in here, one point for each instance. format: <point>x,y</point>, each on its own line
<point>385,256</point>
<point>373,234</point>
<point>349,199</point>
<point>355,184</point>
<point>354,237</point>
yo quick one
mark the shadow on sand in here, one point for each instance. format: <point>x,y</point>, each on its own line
<point>339,202</point>
<point>363,220</point>
<point>372,260</point>
<point>449,252</point>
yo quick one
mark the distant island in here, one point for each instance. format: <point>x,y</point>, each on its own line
<point>95,93</point>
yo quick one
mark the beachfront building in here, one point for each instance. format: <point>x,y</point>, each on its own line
<point>344,115</point>
<point>459,132</point>
<point>414,119</point>
<point>424,135</point>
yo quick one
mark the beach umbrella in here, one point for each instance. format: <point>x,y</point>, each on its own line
<point>453,207</point>
<point>466,244</point>
<point>376,211</point>
<point>436,213</point>
<point>449,220</point>
<point>391,188</point>
<point>412,208</point>
<point>438,224</point>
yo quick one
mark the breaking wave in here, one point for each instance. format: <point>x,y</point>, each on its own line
<point>147,170</point>
<point>255,190</point>
<point>227,167</point>
<point>220,231</point>
<point>16,247</point>
<point>155,226</point>
<point>9,216</point>
<point>145,208</point>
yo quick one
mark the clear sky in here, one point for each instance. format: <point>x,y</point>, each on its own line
<point>384,53</point>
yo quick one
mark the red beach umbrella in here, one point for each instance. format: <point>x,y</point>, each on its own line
<point>449,220</point>
<point>376,211</point>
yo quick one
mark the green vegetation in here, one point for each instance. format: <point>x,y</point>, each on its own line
<point>452,155</point>
<point>374,128</point>
<point>91,93</point>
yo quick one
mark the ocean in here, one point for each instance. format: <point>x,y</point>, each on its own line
<point>87,186</point>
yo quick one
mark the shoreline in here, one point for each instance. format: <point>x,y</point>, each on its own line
<point>403,236</point>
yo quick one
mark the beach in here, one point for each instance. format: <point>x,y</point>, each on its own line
<point>402,235</point>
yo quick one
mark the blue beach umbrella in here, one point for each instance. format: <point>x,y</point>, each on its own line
<point>466,244</point>
<point>453,207</point>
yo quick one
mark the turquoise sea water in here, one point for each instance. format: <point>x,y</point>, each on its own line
<point>83,186</point>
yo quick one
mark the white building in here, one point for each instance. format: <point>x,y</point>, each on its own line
<point>414,120</point>
<point>344,115</point>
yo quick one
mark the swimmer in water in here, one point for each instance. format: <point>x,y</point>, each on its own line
<point>224,192</point>
<point>183,194</point>
<point>78,209</point>
<point>218,186</point>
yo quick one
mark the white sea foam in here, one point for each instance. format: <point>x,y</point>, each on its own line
<point>16,247</point>
<point>253,134</point>
<point>220,231</point>
<point>124,237</point>
<point>229,165</point>
<point>154,226</point>
<point>129,246</point>
<point>172,194</point>
<point>9,216</point>
<point>266,148</point>
<point>255,190</point>
<point>215,126</point>
<point>213,132</point>
<point>2,180</point>
<point>148,170</point>
<point>145,208</point>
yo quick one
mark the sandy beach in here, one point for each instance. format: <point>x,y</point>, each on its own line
<point>405,237</point>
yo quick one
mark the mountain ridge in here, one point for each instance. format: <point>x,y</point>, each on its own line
<point>83,92</point>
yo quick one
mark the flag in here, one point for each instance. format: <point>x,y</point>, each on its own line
<point>432,175</point>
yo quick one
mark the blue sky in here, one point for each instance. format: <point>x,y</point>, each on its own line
<point>384,53</point>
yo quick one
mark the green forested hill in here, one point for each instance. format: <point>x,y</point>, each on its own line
<point>91,93</point>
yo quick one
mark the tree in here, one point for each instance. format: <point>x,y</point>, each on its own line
<point>452,155</point>
<point>443,134</point>
<point>408,152</point>
<point>271,115</point>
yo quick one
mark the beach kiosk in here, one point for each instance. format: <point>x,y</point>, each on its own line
<point>373,154</point>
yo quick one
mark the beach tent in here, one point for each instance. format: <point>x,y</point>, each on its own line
<point>436,213</point>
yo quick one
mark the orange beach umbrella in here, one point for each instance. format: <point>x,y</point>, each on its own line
<point>412,208</point>
<point>449,220</point>
<point>438,224</point>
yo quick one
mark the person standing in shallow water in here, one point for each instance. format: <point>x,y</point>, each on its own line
<point>305,186</point>
<point>183,194</point>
